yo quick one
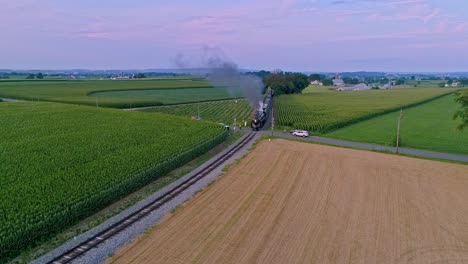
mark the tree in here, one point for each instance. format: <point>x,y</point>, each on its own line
<point>442,84</point>
<point>462,99</point>
<point>315,77</point>
<point>40,76</point>
<point>262,74</point>
<point>400,81</point>
<point>140,75</point>
<point>286,83</point>
<point>327,82</point>
<point>413,77</point>
<point>30,77</point>
<point>384,81</point>
<point>349,80</point>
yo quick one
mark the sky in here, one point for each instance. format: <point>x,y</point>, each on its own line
<point>292,35</point>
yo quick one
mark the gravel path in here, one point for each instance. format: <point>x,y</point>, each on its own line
<point>99,254</point>
<point>358,145</point>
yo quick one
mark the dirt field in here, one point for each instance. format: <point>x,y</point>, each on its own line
<point>291,202</point>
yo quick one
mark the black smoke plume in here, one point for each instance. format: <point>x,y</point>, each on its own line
<point>223,73</point>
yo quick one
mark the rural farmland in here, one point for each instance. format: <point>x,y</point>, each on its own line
<point>291,202</point>
<point>61,163</point>
<point>427,126</point>
<point>218,111</point>
<point>326,111</point>
<point>116,94</point>
<point>275,132</point>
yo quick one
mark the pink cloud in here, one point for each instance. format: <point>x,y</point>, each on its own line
<point>462,28</point>
<point>418,12</point>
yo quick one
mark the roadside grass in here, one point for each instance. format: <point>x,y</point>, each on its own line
<point>428,126</point>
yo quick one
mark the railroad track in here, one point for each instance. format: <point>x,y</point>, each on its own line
<point>118,227</point>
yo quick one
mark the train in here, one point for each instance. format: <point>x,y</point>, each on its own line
<point>261,115</point>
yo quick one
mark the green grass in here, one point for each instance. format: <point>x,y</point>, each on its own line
<point>421,84</point>
<point>60,163</point>
<point>324,112</point>
<point>428,126</point>
<point>79,91</point>
<point>318,89</point>
<point>219,111</point>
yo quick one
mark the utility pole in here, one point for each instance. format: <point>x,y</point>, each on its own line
<point>398,132</point>
<point>235,113</point>
<point>272,116</point>
<point>198,107</point>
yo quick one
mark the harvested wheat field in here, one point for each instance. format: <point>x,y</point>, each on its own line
<point>292,202</point>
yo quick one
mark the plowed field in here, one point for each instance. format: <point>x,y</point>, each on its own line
<point>291,202</point>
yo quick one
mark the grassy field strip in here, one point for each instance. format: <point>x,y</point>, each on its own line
<point>324,112</point>
<point>428,126</point>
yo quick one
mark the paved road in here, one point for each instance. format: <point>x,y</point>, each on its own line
<point>358,145</point>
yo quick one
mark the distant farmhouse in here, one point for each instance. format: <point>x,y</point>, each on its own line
<point>338,81</point>
<point>357,87</point>
<point>343,87</point>
<point>387,86</point>
<point>316,82</point>
<point>456,84</point>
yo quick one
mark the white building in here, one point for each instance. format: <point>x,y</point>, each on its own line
<point>338,81</point>
<point>316,82</point>
<point>357,87</point>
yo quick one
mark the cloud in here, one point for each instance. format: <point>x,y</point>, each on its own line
<point>435,12</point>
<point>378,2</point>
<point>422,13</point>
<point>396,35</point>
<point>462,27</point>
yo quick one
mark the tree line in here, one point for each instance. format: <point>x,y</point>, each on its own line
<point>31,76</point>
<point>283,82</point>
<point>462,114</point>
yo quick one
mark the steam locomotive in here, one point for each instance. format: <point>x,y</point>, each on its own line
<point>261,116</point>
